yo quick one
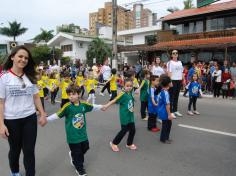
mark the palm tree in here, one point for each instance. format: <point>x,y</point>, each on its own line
<point>188,4</point>
<point>13,30</point>
<point>98,49</point>
<point>43,36</point>
<point>172,9</point>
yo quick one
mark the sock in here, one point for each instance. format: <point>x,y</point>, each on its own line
<point>93,99</point>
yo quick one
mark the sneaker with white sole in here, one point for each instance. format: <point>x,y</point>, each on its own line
<point>177,113</point>
<point>15,174</point>
<point>71,159</point>
<point>196,112</point>
<point>102,94</point>
<point>190,113</point>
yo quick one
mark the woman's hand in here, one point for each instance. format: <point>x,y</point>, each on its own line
<point>43,119</point>
<point>4,131</point>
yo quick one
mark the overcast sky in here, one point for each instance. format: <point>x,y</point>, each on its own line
<point>47,14</point>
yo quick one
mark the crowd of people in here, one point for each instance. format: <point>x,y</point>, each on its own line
<point>23,90</point>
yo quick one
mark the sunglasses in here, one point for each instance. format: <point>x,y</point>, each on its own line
<point>175,53</point>
<point>23,82</point>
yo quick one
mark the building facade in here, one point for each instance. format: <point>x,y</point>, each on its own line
<point>205,33</point>
<point>143,17</point>
<point>103,17</point>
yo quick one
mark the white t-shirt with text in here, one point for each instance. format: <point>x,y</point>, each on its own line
<point>176,69</point>
<point>19,101</point>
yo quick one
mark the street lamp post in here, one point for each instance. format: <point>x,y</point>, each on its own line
<point>114,34</point>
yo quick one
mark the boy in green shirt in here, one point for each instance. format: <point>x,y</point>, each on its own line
<point>126,101</point>
<point>143,89</point>
<point>75,125</point>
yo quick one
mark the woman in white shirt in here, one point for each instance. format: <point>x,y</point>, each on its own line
<point>217,83</point>
<point>157,69</point>
<point>175,71</point>
<point>18,102</point>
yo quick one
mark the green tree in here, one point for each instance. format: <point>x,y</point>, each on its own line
<point>172,9</point>
<point>14,30</point>
<point>188,4</point>
<point>43,36</point>
<point>151,39</point>
<point>68,30</point>
<point>65,60</point>
<point>41,53</point>
<point>98,49</point>
<point>44,53</point>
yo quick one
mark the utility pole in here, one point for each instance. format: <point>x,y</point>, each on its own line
<point>114,34</point>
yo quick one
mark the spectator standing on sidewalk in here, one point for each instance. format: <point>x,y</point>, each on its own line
<point>175,72</point>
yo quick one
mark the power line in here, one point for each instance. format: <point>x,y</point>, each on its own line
<point>144,2</point>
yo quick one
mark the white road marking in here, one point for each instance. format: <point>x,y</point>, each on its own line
<point>208,130</point>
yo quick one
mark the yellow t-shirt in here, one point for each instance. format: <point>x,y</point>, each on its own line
<point>136,84</point>
<point>90,84</point>
<point>64,85</point>
<point>41,85</point>
<point>53,83</point>
<point>45,79</point>
<point>80,80</point>
<point>113,84</point>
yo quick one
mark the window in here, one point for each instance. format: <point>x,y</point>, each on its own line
<point>186,28</point>
<point>179,28</point>
<point>215,24</point>
<point>66,48</point>
<point>199,26</point>
<point>192,28</point>
<point>230,22</point>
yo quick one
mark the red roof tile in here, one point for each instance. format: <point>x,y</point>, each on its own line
<point>198,43</point>
<point>202,10</point>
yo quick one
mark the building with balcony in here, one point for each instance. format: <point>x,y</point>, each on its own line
<point>206,33</point>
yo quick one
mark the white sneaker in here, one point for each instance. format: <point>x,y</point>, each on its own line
<point>160,121</point>
<point>173,115</point>
<point>71,160</point>
<point>190,113</point>
<point>15,174</point>
<point>145,119</point>
<point>196,112</point>
<point>102,94</point>
<point>177,113</point>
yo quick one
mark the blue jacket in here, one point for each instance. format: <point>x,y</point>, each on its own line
<point>163,100</point>
<point>151,107</point>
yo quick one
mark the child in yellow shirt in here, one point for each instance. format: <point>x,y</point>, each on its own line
<point>113,84</point>
<point>65,82</point>
<point>53,85</point>
<point>91,84</point>
<point>80,82</point>
<point>41,85</point>
<point>45,79</point>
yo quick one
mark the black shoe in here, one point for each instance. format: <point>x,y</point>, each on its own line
<point>81,172</point>
<point>166,142</point>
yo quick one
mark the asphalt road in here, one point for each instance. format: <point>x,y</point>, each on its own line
<point>193,152</point>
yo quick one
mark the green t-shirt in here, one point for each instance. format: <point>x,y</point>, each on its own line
<point>75,121</point>
<point>126,102</point>
<point>144,90</point>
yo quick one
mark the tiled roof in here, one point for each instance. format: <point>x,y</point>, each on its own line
<point>220,42</point>
<point>195,43</point>
<point>202,10</point>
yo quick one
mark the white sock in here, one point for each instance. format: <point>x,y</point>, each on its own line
<point>93,99</point>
